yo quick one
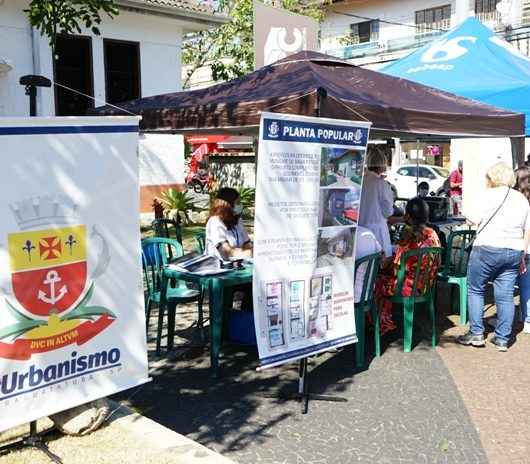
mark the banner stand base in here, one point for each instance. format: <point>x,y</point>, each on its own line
<point>303,395</point>
<point>33,440</point>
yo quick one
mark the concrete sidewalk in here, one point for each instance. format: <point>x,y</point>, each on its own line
<point>127,438</point>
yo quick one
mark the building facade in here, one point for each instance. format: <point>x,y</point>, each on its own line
<point>374,33</point>
<point>137,54</point>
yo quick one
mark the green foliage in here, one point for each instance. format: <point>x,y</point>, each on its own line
<point>53,17</point>
<point>180,203</point>
<point>229,49</point>
<point>247,197</point>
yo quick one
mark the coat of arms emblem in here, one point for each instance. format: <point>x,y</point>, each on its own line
<point>51,285</point>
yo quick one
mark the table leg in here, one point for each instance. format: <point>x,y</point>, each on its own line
<point>162,306</point>
<point>216,323</point>
<point>171,316</point>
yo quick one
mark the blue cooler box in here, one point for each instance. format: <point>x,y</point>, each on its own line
<point>241,327</point>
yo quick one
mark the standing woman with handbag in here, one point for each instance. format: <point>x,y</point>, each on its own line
<point>503,220</point>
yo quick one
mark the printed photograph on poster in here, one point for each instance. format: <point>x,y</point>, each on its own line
<point>296,310</point>
<point>335,246</point>
<point>338,207</point>
<point>274,314</point>
<point>341,168</point>
<point>320,305</point>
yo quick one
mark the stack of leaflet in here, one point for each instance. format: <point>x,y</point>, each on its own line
<point>198,264</point>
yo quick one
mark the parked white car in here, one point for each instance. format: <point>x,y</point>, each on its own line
<point>407,177</point>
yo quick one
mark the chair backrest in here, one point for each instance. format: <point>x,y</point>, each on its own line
<point>163,228</point>
<point>457,252</point>
<point>156,253</point>
<point>371,265</point>
<point>422,264</point>
<point>200,240</point>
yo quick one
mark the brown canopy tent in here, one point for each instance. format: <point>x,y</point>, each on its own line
<point>396,107</point>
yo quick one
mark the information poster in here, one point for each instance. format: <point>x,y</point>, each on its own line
<point>72,324</point>
<point>308,193</point>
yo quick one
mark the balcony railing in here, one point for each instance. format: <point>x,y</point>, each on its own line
<point>411,41</point>
<point>356,50</point>
<point>441,25</point>
<point>362,50</point>
<point>489,17</point>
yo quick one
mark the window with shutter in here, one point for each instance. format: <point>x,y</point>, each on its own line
<point>366,31</point>
<point>438,18</point>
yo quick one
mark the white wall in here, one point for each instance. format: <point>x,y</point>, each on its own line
<point>15,46</point>
<point>160,49</point>
<point>337,25</point>
<point>478,155</point>
<point>402,11</point>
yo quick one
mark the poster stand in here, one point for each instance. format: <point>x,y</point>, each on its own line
<point>303,394</point>
<point>33,440</point>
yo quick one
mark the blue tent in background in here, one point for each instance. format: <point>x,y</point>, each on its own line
<point>471,61</point>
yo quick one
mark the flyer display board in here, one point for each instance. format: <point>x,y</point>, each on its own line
<point>308,192</point>
<point>72,324</point>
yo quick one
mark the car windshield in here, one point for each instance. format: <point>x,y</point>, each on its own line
<point>441,172</point>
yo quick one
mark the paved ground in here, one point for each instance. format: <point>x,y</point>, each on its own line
<point>125,438</point>
<point>406,408</point>
<point>494,387</point>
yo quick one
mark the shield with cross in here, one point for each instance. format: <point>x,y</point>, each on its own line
<point>48,268</point>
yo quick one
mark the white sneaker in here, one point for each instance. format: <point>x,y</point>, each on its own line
<point>526,328</point>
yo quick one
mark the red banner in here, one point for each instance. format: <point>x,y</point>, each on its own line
<point>22,350</point>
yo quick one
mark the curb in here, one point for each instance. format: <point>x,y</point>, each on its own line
<point>162,439</point>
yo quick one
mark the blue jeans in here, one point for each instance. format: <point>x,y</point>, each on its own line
<point>500,266</point>
<point>524,291</point>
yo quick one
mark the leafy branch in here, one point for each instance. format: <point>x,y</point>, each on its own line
<point>54,17</point>
<point>229,49</point>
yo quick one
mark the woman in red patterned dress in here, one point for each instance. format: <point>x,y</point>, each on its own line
<point>415,235</point>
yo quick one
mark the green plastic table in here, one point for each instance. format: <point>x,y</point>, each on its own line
<point>216,284</point>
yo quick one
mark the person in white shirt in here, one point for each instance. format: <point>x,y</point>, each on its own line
<point>377,199</point>
<point>498,250</point>
<point>365,244</point>
<point>226,236</point>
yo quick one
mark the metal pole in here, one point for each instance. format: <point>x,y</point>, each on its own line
<point>417,165</point>
<point>31,90</point>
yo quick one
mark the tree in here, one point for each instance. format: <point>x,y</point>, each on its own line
<point>54,17</point>
<point>229,49</point>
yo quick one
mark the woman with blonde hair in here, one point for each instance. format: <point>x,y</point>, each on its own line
<point>226,236</point>
<point>503,219</point>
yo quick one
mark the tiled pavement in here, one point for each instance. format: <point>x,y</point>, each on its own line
<point>446,405</point>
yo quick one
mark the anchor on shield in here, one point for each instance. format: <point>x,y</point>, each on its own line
<point>48,276</point>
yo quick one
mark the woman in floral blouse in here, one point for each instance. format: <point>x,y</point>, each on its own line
<point>415,235</point>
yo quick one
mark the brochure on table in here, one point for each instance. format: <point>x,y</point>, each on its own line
<point>308,192</point>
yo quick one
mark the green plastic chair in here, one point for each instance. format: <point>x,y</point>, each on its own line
<point>200,241</point>
<point>454,271</point>
<point>164,227</point>
<point>367,304</point>
<point>431,257</point>
<point>156,254</point>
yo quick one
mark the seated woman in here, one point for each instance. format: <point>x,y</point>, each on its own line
<point>415,235</point>
<point>226,236</point>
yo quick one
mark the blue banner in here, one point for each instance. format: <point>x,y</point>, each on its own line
<point>283,130</point>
